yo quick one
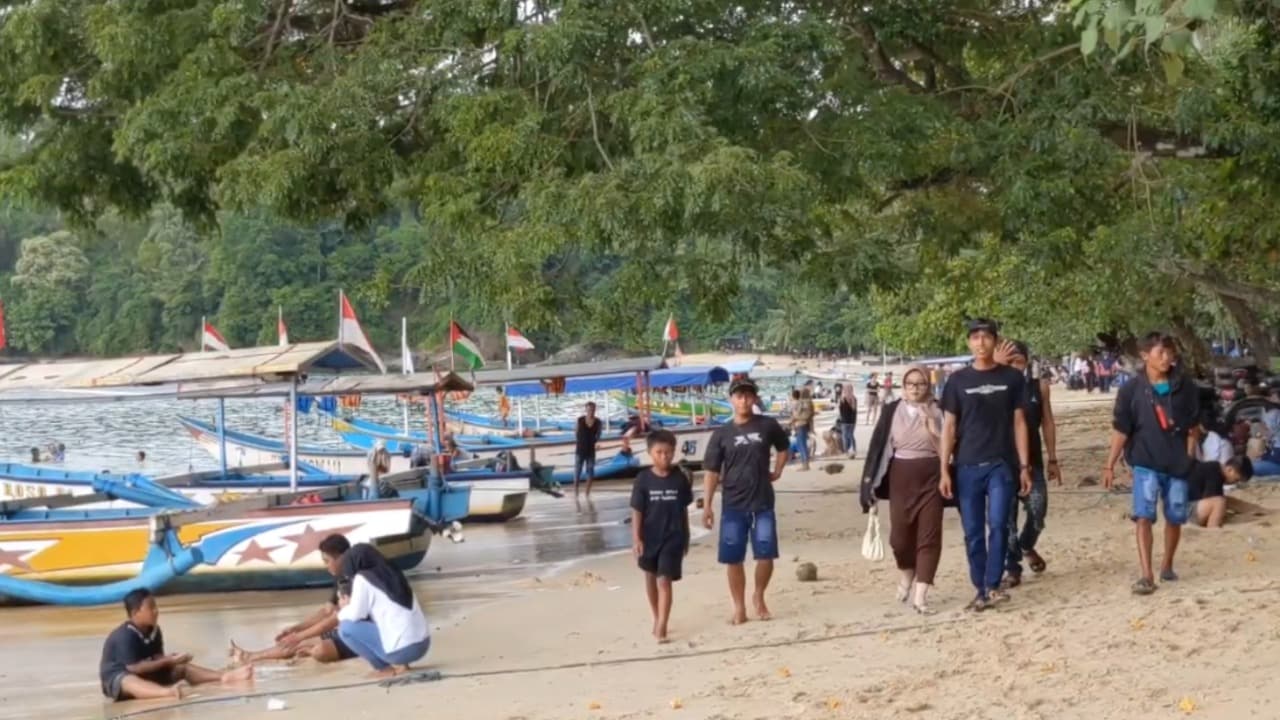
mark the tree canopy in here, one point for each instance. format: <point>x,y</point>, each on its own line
<point>905,162</point>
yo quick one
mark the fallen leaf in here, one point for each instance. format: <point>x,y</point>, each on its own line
<point>784,672</point>
<point>676,704</point>
<point>593,705</point>
<point>1250,557</point>
<point>1137,623</point>
<point>833,704</point>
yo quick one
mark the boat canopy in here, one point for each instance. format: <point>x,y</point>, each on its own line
<point>740,367</point>
<point>628,367</point>
<point>658,380</point>
<point>267,371</point>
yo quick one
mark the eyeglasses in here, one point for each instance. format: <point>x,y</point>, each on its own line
<point>917,384</point>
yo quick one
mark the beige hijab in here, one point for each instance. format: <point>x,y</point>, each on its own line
<point>919,421</point>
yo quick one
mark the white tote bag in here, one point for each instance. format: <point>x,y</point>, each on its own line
<point>872,547</point>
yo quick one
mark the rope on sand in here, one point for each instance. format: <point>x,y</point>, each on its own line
<point>388,684</point>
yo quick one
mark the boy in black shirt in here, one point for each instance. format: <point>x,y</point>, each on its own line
<point>1206,489</point>
<point>738,459</point>
<point>983,428</point>
<point>585,438</point>
<point>134,665</point>
<point>660,501</point>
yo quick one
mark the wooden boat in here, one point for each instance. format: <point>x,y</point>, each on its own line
<point>494,495</point>
<point>267,547</point>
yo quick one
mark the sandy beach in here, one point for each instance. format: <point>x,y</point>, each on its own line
<point>1073,643</point>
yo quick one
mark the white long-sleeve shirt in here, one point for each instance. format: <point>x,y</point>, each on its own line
<point>398,627</point>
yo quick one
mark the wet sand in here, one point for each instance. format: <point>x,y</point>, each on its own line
<point>48,667</point>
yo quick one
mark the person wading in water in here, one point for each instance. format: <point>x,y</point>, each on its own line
<point>984,427</point>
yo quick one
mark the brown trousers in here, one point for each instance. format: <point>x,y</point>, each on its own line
<point>915,515</point>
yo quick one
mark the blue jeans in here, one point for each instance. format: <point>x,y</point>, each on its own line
<point>1036,505</point>
<point>983,494</point>
<point>801,443</point>
<point>737,526</point>
<point>846,435</point>
<point>363,639</point>
<point>1150,487</point>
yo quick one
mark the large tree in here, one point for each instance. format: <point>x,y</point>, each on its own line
<point>1073,171</point>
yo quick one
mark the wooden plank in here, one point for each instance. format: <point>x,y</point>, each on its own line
<point>52,502</point>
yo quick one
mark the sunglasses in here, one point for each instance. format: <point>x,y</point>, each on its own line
<point>917,384</point>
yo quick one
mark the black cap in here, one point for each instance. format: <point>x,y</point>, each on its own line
<point>983,325</point>
<point>744,384</point>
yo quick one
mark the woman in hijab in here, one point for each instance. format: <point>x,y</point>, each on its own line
<point>381,621</point>
<point>903,467</point>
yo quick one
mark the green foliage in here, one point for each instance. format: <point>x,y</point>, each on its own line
<point>584,169</point>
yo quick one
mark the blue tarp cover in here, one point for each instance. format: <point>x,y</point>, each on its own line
<point>658,380</point>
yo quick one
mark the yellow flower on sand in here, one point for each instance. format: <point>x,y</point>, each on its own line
<point>1187,705</point>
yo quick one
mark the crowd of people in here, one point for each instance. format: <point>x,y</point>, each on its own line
<point>983,439</point>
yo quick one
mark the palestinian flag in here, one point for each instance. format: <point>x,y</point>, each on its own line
<point>465,347</point>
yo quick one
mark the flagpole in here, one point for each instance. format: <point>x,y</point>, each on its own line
<point>507,339</point>
<point>203,321</point>
<point>452,359</point>
<point>339,335</point>
<point>279,321</point>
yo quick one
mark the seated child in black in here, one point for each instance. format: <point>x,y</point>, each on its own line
<point>135,667</point>
<point>660,501</point>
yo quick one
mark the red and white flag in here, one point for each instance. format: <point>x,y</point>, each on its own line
<point>281,330</point>
<point>350,332</point>
<point>211,339</point>
<point>670,333</point>
<point>516,341</point>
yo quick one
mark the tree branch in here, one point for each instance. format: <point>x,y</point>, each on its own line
<point>879,59</point>
<point>286,8</point>
<point>595,129</point>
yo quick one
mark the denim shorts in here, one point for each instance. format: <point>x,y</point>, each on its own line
<point>1150,486</point>
<point>736,526</point>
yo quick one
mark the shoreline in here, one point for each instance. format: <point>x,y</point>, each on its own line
<point>575,643</point>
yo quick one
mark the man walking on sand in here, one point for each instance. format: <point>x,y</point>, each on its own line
<point>983,428</point>
<point>1155,426</point>
<point>738,458</point>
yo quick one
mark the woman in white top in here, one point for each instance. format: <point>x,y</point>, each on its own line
<point>382,621</point>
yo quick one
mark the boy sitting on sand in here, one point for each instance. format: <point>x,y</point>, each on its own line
<point>135,667</point>
<point>660,501</point>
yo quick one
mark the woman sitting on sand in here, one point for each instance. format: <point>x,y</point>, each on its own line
<point>382,621</point>
<point>903,466</point>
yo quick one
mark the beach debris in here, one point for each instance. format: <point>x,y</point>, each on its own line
<point>586,579</point>
<point>833,704</point>
<point>676,704</point>
<point>593,705</point>
<point>1250,557</point>
<point>784,672</point>
<point>806,572</point>
<point>1137,623</point>
<point>1187,705</point>
<point>277,704</point>
<point>919,707</point>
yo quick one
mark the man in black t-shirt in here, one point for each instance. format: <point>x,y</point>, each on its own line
<point>585,437</point>
<point>1156,425</point>
<point>984,426</point>
<point>660,500</point>
<point>134,665</point>
<point>738,459</point>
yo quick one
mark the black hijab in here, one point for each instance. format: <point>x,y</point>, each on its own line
<point>362,559</point>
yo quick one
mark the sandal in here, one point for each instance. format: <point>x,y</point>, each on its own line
<point>1168,575</point>
<point>1012,580</point>
<point>1143,586</point>
<point>923,609</point>
<point>978,604</point>
<point>1034,561</point>
<point>998,597</point>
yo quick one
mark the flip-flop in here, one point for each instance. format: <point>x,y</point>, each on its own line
<point>1168,575</point>
<point>998,597</point>
<point>1143,586</point>
<point>923,609</point>
<point>1034,561</point>
<point>1012,580</point>
<point>978,604</point>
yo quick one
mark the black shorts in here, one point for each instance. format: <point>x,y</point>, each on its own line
<point>344,652</point>
<point>665,560</point>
